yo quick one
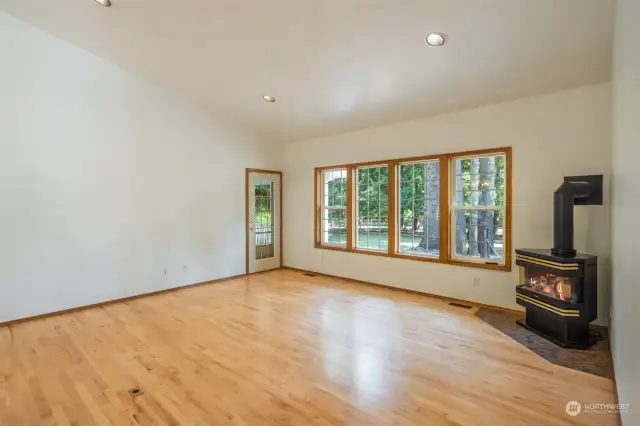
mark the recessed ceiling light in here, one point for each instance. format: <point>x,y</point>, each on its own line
<point>436,39</point>
<point>269,98</point>
<point>106,3</point>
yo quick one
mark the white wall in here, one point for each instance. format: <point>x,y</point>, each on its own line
<point>567,133</point>
<point>105,180</point>
<point>625,318</point>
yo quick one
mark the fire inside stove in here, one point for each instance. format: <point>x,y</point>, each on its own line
<point>561,288</point>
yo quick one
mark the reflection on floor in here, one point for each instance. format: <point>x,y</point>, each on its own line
<point>283,349</point>
<point>596,360</point>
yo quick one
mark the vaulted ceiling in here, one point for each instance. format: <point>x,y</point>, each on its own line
<point>340,65</point>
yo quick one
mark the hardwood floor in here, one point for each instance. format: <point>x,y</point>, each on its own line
<point>279,349</point>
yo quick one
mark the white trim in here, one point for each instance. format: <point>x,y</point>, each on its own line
<point>480,260</point>
<point>423,255</point>
<point>336,169</point>
<point>485,208</point>
<point>359,249</point>
<point>432,160</point>
<point>333,245</point>
<point>486,154</point>
<point>369,166</point>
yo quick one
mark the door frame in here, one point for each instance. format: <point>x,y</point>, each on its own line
<point>247,172</point>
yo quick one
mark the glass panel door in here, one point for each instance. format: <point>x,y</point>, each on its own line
<point>264,222</point>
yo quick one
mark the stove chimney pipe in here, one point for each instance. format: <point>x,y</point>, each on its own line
<point>580,190</point>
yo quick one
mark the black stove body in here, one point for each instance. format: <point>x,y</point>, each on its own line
<point>558,286</point>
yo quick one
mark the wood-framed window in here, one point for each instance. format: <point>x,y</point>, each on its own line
<point>372,208</point>
<point>478,208</point>
<point>333,208</point>
<point>450,208</point>
<point>418,218</point>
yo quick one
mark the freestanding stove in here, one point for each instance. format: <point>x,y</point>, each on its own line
<point>558,287</point>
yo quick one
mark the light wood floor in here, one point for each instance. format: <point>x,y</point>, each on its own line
<point>282,349</point>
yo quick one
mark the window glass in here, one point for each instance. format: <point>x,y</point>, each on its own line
<point>372,208</point>
<point>334,207</point>
<point>478,207</point>
<point>419,209</point>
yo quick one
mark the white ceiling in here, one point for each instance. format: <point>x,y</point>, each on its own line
<point>340,65</point>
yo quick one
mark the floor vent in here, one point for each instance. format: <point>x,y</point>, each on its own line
<point>309,275</point>
<point>460,305</point>
<point>135,392</point>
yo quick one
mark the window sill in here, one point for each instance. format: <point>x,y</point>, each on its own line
<point>334,248</point>
<point>477,265</point>
<point>371,252</point>
<point>418,258</point>
<point>493,267</point>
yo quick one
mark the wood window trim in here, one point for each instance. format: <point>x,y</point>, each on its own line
<point>444,201</point>
<point>317,208</point>
<point>391,208</point>
<point>390,232</point>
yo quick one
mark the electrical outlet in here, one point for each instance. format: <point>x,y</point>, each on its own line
<point>476,282</point>
<point>164,271</point>
<point>184,268</point>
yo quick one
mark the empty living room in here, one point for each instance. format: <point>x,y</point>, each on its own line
<point>331,213</point>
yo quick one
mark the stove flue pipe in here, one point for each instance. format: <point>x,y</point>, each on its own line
<point>563,202</point>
